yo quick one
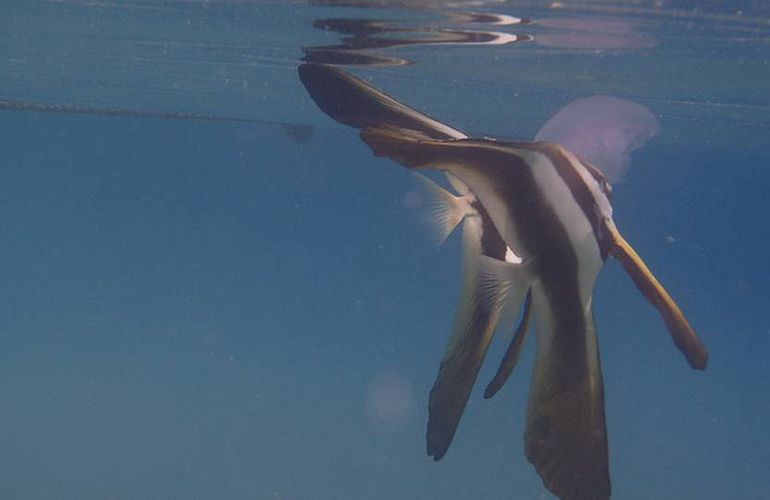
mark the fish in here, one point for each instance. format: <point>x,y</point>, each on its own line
<point>537,228</point>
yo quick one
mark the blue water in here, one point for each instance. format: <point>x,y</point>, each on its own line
<point>205,309</point>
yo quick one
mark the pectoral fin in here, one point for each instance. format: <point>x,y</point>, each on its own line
<point>681,332</point>
<point>446,210</point>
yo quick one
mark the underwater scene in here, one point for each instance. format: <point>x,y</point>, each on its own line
<point>384,249</point>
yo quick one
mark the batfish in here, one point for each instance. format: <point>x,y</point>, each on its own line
<point>537,229</point>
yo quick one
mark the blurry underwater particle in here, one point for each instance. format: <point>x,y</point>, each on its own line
<point>602,130</point>
<point>298,133</point>
<point>389,399</point>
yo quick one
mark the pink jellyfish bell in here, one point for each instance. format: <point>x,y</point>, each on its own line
<point>602,130</point>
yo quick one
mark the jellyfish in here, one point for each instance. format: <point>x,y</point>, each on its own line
<point>602,130</point>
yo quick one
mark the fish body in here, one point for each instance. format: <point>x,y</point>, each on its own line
<point>537,229</point>
<point>533,193</point>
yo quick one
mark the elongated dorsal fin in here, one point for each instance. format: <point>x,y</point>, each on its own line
<point>355,103</point>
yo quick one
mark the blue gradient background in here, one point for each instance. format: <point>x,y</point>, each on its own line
<point>204,310</point>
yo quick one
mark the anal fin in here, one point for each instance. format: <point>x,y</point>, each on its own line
<point>566,436</point>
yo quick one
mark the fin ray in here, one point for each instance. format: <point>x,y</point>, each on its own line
<point>446,210</point>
